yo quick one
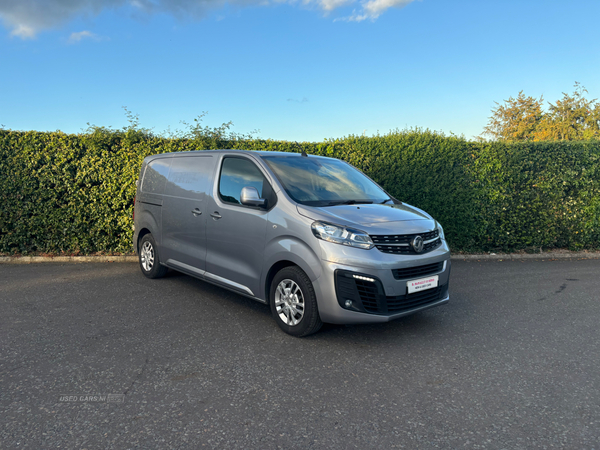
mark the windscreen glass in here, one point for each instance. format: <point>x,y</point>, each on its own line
<point>323,182</point>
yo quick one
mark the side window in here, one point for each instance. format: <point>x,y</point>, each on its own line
<point>155,176</point>
<point>237,173</point>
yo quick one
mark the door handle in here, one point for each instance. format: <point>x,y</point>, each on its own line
<point>215,215</point>
<point>196,212</point>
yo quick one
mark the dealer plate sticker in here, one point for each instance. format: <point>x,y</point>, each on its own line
<point>423,283</point>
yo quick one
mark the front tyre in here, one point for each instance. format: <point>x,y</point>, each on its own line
<point>149,260</point>
<point>294,303</point>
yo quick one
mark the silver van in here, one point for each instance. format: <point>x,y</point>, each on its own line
<point>312,237</point>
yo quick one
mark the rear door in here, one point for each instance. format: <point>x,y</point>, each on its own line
<point>149,197</point>
<point>184,212</point>
<point>236,233</point>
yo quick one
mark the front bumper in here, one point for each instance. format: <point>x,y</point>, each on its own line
<point>381,295</point>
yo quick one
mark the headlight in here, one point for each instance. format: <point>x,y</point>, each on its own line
<point>342,235</point>
<point>441,230</point>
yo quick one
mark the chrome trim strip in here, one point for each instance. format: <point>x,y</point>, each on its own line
<point>430,240</point>
<point>209,276</point>
<point>176,264</point>
<point>233,284</point>
<point>393,245</point>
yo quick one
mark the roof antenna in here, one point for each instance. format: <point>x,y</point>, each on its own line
<point>302,152</point>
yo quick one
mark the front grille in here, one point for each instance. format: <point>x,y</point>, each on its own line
<point>403,238</point>
<point>419,271</point>
<point>369,296</point>
<point>393,243</point>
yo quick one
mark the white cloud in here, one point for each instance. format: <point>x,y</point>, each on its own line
<point>26,18</point>
<point>23,31</point>
<point>76,37</point>
<point>329,5</point>
<point>372,9</point>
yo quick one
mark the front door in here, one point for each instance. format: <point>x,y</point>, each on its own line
<point>236,233</point>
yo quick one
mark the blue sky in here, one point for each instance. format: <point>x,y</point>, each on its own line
<point>294,70</point>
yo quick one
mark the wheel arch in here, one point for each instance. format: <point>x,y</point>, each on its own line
<point>143,232</point>
<point>148,222</point>
<point>271,274</point>
<point>290,252</point>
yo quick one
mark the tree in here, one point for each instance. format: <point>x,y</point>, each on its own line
<point>522,119</point>
<point>515,120</point>
<point>573,118</point>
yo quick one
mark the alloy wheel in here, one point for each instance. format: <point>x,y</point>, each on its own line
<point>289,302</point>
<point>147,256</point>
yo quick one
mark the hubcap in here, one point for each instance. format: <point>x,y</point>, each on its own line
<point>289,302</point>
<point>147,256</point>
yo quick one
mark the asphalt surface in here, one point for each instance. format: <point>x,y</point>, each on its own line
<point>512,362</point>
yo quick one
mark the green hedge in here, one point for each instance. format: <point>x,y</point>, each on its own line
<point>538,195</point>
<point>74,193</point>
<point>71,193</point>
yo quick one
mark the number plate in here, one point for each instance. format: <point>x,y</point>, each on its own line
<point>423,284</point>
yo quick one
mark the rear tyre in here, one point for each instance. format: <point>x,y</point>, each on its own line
<point>294,303</point>
<point>148,257</point>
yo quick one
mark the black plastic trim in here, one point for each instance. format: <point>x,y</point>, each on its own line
<point>369,297</point>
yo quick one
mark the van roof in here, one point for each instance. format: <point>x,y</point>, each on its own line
<point>254,152</point>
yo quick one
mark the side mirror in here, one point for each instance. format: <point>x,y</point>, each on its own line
<point>250,197</point>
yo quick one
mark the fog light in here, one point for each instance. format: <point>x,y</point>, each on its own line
<point>348,303</point>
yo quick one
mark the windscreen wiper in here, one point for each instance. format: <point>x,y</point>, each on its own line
<point>350,202</point>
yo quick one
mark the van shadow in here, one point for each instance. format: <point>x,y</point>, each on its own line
<point>212,291</point>
<point>412,325</point>
<point>409,326</point>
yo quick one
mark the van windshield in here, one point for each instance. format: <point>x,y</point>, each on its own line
<point>324,182</point>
